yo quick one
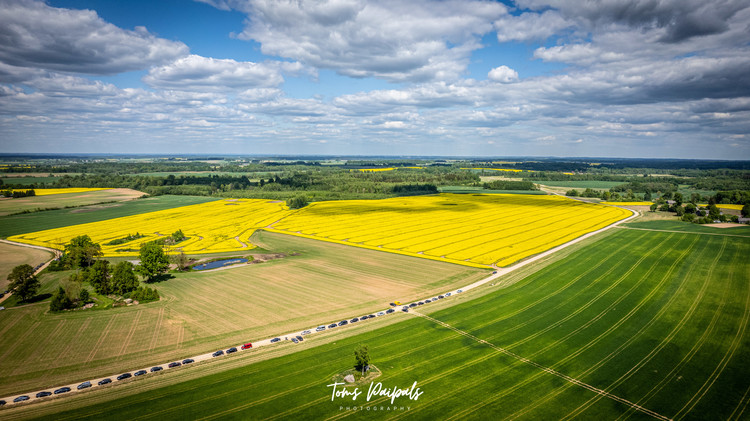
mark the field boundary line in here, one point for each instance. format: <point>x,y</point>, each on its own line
<point>556,373</point>
<point>685,232</point>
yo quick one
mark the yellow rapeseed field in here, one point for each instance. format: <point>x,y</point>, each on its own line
<point>224,225</point>
<point>47,192</point>
<point>467,229</point>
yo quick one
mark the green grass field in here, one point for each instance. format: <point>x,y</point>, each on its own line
<point>592,184</point>
<point>27,180</point>
<point>479,190</point>
<point>666,225</point>
<point>640,319</point>
<point>203,311</point>
<point>35,221</point>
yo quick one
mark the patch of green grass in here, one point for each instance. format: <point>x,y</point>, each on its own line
<point>743,230</point>
<point>657,319</point>
<point>591,184</point>
<point>37,221</point>
<point>479,190</point>
<point>27,180</point>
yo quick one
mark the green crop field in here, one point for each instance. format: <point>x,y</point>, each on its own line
<point>479,190</point>
<point>592,184</point>
<point>35,221</point>
<point>27,180</point>
<point>667,225</point>
<point>639,325</point>
<point>203,311</point>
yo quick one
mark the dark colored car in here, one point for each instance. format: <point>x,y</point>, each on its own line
<point>300,338</point>
<point>364,318</point>
<point>102,382</point>
<point>65,389</point>
<point>21,398</point>
<point>175,364</point>
<point>247,346</point>
<point>412,305</point>
<point>155,369</point>
<point>2,402</point>
<point>448,294</point>
<point>460,290</point>
<point>231,350</point>
<point>84,385</point>
<point>2,295</point>
<point>389,311</point>
<point>140,372</point>
<point>320,328</point>
<point>372,316</point>
<point>427,301</point>
<point>494,272</point>
<point>405,309</point>
<point>393,304</point>
<point>295,340</point>
<point>332,325</point>
<point>43,394</point>
<point>441,297</point>
<point>218,353</point>
<point>275,340</point>
<point>354,320</point>
<point>343,323</point>
<point>421,303</point>
<point>188,361</point>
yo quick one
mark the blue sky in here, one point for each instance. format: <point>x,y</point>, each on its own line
<point>616,78</point>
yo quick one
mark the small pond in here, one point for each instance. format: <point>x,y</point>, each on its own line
<point>218,264</point>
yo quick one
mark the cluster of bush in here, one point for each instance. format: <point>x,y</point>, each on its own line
<point>18,193</point>
<point>105,279</point>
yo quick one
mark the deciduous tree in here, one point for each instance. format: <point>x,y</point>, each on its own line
<point>23,282</point>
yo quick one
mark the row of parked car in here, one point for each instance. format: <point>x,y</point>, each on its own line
<point>101,382</point>
<point>406,308</point>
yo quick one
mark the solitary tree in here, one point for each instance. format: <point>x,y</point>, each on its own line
<point>123,278</point>
<point>362,357</point>
<point>297,202</point>
<point>180,260</point>
<point>23,282</point>
<point>154,261</point>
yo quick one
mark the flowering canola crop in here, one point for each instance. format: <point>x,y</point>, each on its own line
<point>473,230</point>
<point>223,225</point>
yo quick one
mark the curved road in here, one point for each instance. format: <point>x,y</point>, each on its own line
<point>264,342</point>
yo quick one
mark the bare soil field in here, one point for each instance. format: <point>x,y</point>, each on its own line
<point>10,206</point>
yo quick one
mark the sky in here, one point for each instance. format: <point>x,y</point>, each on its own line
<point>607,78</point>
